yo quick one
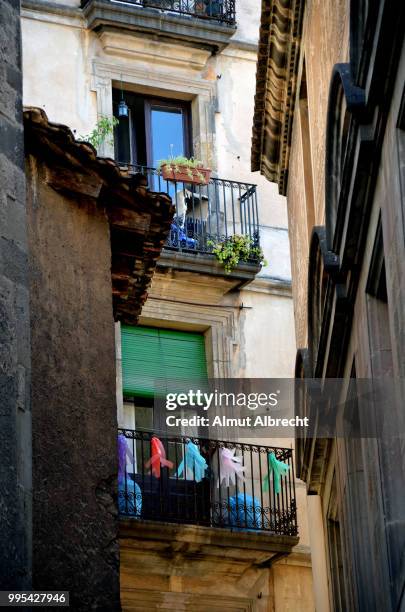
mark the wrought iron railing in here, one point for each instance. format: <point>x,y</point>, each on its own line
<point>206,214</point>
<point>222,11</point>
<point>179,490</point>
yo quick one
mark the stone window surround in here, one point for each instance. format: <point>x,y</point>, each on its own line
<point>202,95</point>
<point>217,324</point>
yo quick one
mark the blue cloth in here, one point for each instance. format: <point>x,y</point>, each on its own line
<point>180,236</point>
<point>245,512</point>
<point>129,498</point>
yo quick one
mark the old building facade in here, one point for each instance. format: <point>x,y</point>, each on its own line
<point>329,130</point>
<point>190,66</point>
<point>15,361</point>
<point>87,224</point>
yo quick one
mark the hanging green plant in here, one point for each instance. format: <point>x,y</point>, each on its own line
<point>237,248</point>
<point>103,132</point>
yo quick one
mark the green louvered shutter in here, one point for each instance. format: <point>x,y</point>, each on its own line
<point>154,359</point>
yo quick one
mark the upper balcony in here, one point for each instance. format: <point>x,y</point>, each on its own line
<point>207,23</point>
<point>206,215</point>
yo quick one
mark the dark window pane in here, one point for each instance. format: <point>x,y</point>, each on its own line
<point>122,145</point>
<point>143,416</point>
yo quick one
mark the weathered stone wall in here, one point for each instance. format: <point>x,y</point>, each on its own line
<point>324,43</point>
<point>15,416</point>
<point>362,480</point>
<point>377,346</point>
<point>189,567</point>
<point>73,397</point>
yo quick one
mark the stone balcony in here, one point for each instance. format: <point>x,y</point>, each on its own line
<point>206,23</point>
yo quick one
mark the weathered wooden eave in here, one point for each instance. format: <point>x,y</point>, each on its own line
<point>276,84</point>
<point>139,219</point>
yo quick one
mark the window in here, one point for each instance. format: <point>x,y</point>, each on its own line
<point>153,359</point>
<point>355,494</point>
<point>401,158</point>
<point>336,553</point>
<point>381,363</point>
<point>154,129</point>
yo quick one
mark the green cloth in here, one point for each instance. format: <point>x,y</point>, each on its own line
<point>278,469</point>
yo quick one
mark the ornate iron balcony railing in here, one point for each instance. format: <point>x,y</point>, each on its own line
<point>206,214</point>
<point>180,491</point>
<point>222,11</point>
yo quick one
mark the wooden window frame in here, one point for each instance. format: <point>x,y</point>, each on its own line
<point>150,103</point>
<point>174,105</point>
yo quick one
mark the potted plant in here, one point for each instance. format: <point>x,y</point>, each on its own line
<point>185,170</point>
<point>236,248</point>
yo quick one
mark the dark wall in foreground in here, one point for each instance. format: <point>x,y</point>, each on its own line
<point>73,397</point>
<point>15,416</point>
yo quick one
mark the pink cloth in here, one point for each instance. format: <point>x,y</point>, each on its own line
<point>229,467</point>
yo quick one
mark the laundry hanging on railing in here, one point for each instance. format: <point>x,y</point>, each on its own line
<point>123,453</point>
<point>278,469</point>
<point>245,512</point>
<point>193,463</point>
<point>158,457</point>
<point>179,237</point>
<point>129,492</point>
<point>230,467</point>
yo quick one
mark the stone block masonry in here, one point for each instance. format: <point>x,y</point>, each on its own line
<point>15,414</point>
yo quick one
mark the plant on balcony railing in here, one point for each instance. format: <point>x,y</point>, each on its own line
<point>184,169</point>
<point>206,482</point>
<point>207,214</point>
<point>103,132</point>
<point>235,249</point>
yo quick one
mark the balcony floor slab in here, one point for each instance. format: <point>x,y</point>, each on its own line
<point>184,567</point>
<point>260,546</point>
<point>203,33</point>
<point>207,265</point>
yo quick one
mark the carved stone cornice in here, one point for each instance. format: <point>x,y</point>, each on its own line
<point>276,82</point>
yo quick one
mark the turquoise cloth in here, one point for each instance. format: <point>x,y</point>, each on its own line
<point>193,463</point>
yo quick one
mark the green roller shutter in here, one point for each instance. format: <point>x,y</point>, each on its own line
<point>154,358</point>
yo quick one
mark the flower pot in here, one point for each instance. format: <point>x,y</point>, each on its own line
<point>197,176</point>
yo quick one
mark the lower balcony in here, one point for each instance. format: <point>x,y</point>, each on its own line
<point>192,537</point>
<point>196,481</point>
